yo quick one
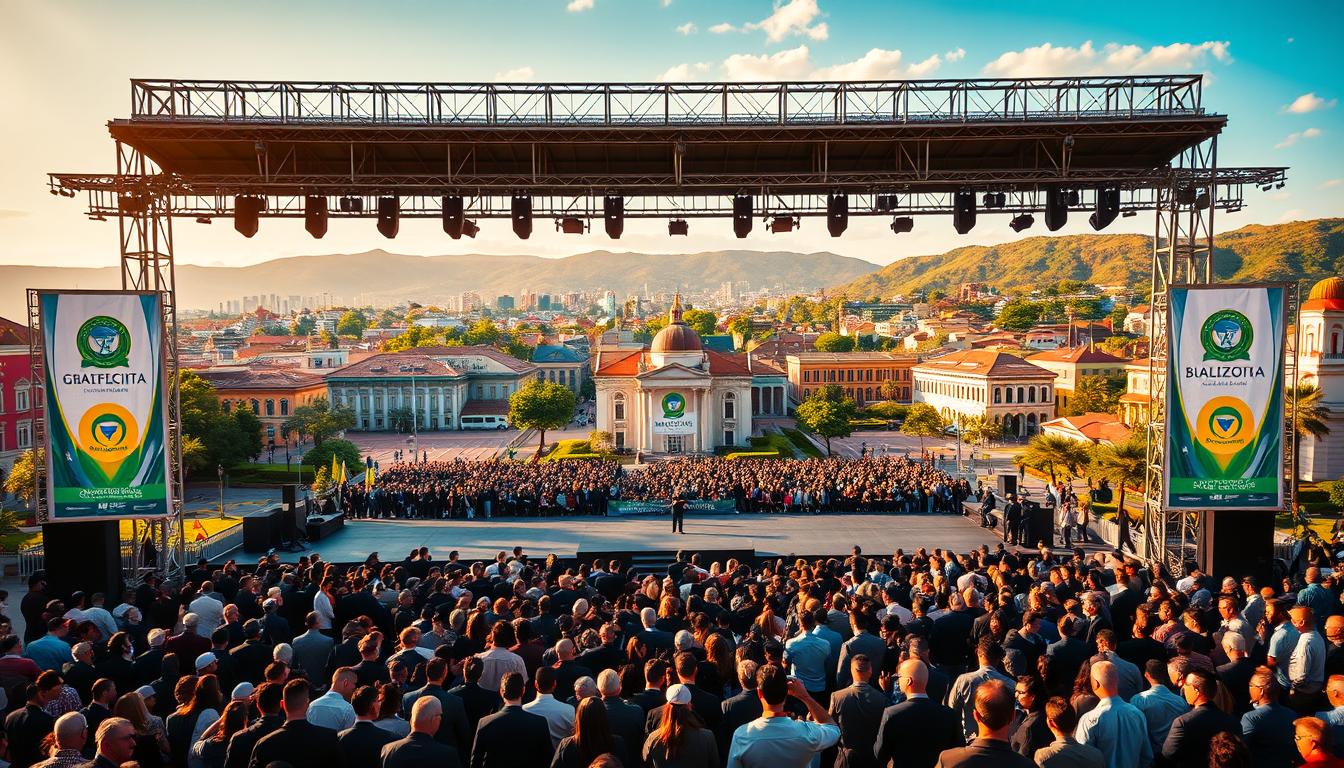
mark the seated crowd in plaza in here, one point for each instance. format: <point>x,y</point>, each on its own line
<point>921,658</point>
<point>461,489</point>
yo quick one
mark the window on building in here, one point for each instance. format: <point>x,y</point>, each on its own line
<point>571,378</point>
<point>869,374</point>
<point>270,407</point>
<point>619,402</point>
<point>729,438</point>
<point>256,406</point>
<point>849,374</point>
<point>1045,394</point>
<point>1007,394</point>
<point>25,434</point>
<point>270,433</point>
<point>284,407</point>
<point>905,393</point>
<point>620,440</point>
<point>729,406</point>
<point>541,375</point>
<point>1019,395</point>
<point>2,400</point>
<point>1031,394</point>
<point>21,403</point>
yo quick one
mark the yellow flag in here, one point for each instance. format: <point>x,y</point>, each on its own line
<point>334,470</point>
<point>343,478</point>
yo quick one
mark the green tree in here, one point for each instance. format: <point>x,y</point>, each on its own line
<point>195,456</point>
<point>415,336</point>
<point>701,321</point>
<point>978,430</point>
<point>514,346</point>
<point>352,323</point>
<point>740,326</point>
<point>889,389</point>
<point>1118,314</point>
<point>22,479</point>
<point>400,418</point>
<point>541,405</point>
<point>1056,455</point>
<point>834,342</point>
<point>828,412</point>
<point>303,325</point>
<point>249,432</point>
<point>331,340</point>
<point>225,437</point>
<point>1308,416</point>
<point>1019,315</point>
<point>481,332</point>
<point>323,485</point>
<point>1337,493</point>
<point>1125,464</point>
<point>601,441</point>
<point>1095,394</point>
<point>346,453</point>
<point>320,420</point>
<point>923,421</point>
<point>387,318</point>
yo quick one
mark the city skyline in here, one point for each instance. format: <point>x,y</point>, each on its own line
<point>1271,76</point>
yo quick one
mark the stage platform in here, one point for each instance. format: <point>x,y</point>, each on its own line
<point>566,536</point>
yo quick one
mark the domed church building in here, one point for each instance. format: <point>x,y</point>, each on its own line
<point>1320,362</point>
<point>674,396</point>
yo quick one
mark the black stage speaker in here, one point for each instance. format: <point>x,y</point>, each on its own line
<point>261,530</point>
<point>83,556</point>
<point>295,514</point>
<point>1238,543</point>
<point>1040,523</point>
<point>1007,484</point>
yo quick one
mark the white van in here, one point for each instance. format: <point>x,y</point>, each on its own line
<point>485,422</point>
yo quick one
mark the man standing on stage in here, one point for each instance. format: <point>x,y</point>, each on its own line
<point>678,515</point>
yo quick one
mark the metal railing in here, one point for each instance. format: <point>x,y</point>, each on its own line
<point>32,558</point>
<point>655,104</point>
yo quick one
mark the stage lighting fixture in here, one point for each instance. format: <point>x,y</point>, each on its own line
<point>1279,185</point>
<point>1056,209</point>
<point>887,202</point>
<point>1021,222</point>
<point>1072,198</point>
<point>204,220</point>
<point>315,215</point>
<point>742,206</point>
<point>132,202</point>
<point>1107,208</point>
<point>963,211</point>
<point>570,225</point>
<point>1185,195</point>
<point>469,228</point>
<point>246,211</point>
<point>678,227</point>
<point>521,213</point>
<point>1266,187</point>
<point>1129,214</point>
<point>54,191</point>
<point>995,199</point>
<point>837,214</point>
<point>613,215</point>
<point>902,224</point>
<point>351,204</point>
<point>453,218</point>
<point>389,217</point>
<point>782,224</point>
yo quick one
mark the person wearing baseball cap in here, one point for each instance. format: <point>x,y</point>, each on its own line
<point>206,664</point>
<point>680,732</point>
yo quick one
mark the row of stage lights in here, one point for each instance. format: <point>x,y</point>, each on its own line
<point>247,212</point>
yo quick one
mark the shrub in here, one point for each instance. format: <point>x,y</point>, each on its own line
<point>344,450</point>
<point>885,410</point>
<point>801,443</point>
<point>572,449</point>
<point>868,423</point>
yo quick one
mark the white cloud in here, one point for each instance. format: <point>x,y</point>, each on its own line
<point>794,17</point>
<point>1292,214</point>
<point>1297,136</point>
<point>687,29</point>
<point>722,28</point>
<point>1332,183</point>
<point>956,55</point>
<point>925,67</point>
<point>876,64</point>
<point>685,72</point>
<point>577,6</point>
<point>1113,58</point>
<point>792,64</point>
<point>666,3</point>
<point>515,75</point>
<point>1308,102</point>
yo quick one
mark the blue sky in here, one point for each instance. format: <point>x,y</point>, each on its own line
<point>65,67</point>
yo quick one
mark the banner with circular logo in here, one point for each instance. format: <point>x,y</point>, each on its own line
<point>671,417</point>
<point>1225,397</point>
<point>105,408</point>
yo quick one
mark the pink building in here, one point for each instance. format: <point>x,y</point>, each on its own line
<point>16,393</point>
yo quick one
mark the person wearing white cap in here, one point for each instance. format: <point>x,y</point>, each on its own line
<point>680,733</point>
<point>206,664</point>
<point>242,692</point>
<point>774,740</point>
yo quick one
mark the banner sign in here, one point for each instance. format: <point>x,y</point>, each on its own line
<point>1225,403</point>
<point>693,506</point>
<point>105,407</point>
<point>674,420</point>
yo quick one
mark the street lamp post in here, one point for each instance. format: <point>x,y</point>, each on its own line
<point>219,469</point>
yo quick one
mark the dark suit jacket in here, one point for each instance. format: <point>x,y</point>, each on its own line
<point>239,753</point>
<point>1236,675</point>
<point>626,720</point>
<point>984,753</point>
<point>25,728</point>
<point>1187,744</point>
<point>864,642</point>
<point>363,744</point>
<point>737,711</point>
<point>914,732</point>
<point>649,699</point>
<point>1268,733</point>
<point>302,745</point>
<point>479,703</point>
<point>512,738</point>
<point>253,656</point>
<point>454,729</point>
<point>418,751</point>
<point>858,711</point>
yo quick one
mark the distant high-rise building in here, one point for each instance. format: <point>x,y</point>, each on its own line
<point>504,302</point>
<point>471,301</point>
<point>609,303</point>
<point>544,302</point>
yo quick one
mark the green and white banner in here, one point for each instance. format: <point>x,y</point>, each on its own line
<point>1225,397</point>
<point>106,415</point>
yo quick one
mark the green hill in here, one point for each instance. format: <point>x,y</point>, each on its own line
<point>1299,250</point>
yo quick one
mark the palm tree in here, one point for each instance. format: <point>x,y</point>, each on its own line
<point>1053,454</point>
<point>1125,465</point>
<point>1308,417</point>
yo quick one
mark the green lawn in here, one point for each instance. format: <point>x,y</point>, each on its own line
<point>802,443</point>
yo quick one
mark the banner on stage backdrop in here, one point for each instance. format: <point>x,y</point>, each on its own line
<point>670,416</point>
<point>621,508</point>
<point>1225,397</point>
<point>105,406</point>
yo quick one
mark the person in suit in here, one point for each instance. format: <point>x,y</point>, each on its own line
<point>1268,728</point>
<point>298,742</point>
<point>740,709</point>
<point>914,732</point>
<point>420,749</point>
<point>655,679</point>
<point>312,648</point>
<point>679,515</point>
<point>454,726</point>
<point>267,700</point>
<point>511,737</point>
<point>626,720</point>
<point>363,742</point>
<point>26,726</point>
<point>1064,751</point>
<point>252,657</point>
<point>1236,674</point>
<point>993,711</point>
<point>1188,740</point>
<point>858,711</point>
<point>477,701</point>
<point>1066,656</point>
<point>863,642</point>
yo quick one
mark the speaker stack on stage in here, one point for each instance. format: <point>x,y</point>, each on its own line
<point>83,556</point>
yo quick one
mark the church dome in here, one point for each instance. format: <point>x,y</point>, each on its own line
<point>677,336</point>
<point>1329,288</point>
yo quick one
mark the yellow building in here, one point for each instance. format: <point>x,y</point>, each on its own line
<point>1071,364</point>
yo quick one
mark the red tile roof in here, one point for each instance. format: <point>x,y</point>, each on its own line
<point>626,363</point>
<point>982,362</point>
<point>1083,354</point>
<point>12,333</point>
<point>261,377</point>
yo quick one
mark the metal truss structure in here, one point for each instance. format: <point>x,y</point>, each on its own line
<point>683,150</point>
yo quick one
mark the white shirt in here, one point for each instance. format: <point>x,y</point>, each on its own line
<point>779,742</point>
<point>559,716</point>
<point>209,612</point>
<point>325,613</point>
<point>332,711</point>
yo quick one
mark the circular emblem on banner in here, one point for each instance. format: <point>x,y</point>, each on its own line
<point>1226,336</point>
<point>674,405</point>
<point>108,433</point>
<point>1224,426</point>
<point>103,342</point>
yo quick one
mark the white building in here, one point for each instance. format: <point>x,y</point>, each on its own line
<point>1321,363</point>
<point>1008,390</point>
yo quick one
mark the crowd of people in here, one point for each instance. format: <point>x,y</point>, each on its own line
<point>922,658</point>
<point>469,489</point>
